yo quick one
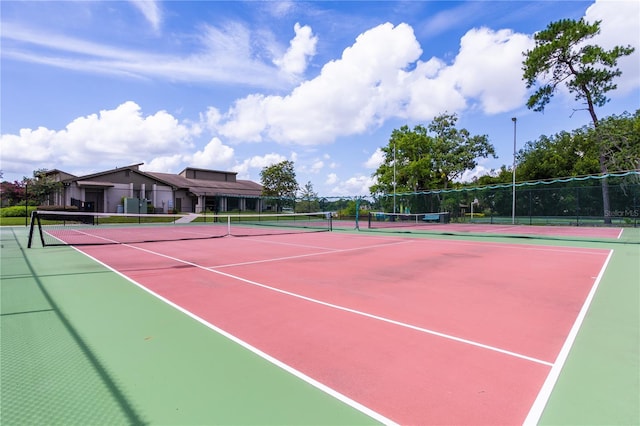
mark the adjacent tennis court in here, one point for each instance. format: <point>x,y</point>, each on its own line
<point>330,327</point>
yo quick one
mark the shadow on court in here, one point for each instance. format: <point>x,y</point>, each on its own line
<point>49,373</point>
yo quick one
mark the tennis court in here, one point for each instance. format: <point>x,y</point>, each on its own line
<point>338,327</point>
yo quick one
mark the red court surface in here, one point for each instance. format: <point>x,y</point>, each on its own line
<point>419,331</point>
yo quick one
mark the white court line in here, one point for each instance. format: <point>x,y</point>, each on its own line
<point>267,239</point>
<point>330,391</point>
<point>521,246</point>
<point>284,243</point>
<point>329,251</point>
<point>353,311</point>
<point>545,392</point>
<point>415,241</point>
<point>547,248</point>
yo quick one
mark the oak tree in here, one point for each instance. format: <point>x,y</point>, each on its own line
<point>429,157</point>
<point>279,181</point>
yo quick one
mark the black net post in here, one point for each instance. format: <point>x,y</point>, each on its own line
<point>35,218</point>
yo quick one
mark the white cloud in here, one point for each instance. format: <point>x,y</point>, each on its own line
<point>431,90</point>
<point>470,175</point>
<point>151,11</point>
<point>356,185</point>
<point>496,82</point>
<point>619,27</point>
<point>215,155</point>
<point>165,164</point>
<point>381,77</point>
<point>452,17</point>
<point>258,162</point>
<point>317,166</point>
<point>249,119</point>
<point>279,9</point>
<point>211,118</point>
<point>228,54</point>
<point>332,179</point>
<point>101,141</point>
<point>376,159</point>
<point>301,47</point>
<point>349,96</point>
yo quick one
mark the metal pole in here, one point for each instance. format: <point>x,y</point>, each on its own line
<point>513,206</point>
<point>394,177</point>
<point>26,203</point>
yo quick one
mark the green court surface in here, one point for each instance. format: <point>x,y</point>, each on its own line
<point>81,344</point>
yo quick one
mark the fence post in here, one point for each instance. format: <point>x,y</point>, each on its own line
<point>577,206</point>
<point>26,203</point>
<point>530,207</point>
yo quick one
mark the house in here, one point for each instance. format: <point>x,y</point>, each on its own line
<point>128,189</point>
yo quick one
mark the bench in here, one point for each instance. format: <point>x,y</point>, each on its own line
<point>431,217</point>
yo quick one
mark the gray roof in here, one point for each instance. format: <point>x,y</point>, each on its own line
<point>198,187</point>
<point>173,180</point>
<point>134,168</point>
<point>210,187</point>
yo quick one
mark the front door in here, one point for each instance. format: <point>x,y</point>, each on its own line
<point>94,200</point>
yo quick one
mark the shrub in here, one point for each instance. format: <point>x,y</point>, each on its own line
<point>59,208</point>
<point>16,211</point>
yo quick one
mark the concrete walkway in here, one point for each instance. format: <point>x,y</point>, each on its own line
<point>187,219</point>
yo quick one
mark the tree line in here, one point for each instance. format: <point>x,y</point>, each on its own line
<point>576,153</point>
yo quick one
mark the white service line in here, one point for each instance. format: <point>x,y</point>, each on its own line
<point>329,251</point>
<point>527,247</point>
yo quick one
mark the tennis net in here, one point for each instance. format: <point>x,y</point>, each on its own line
<point>57,228</point>
<point>394,220</point>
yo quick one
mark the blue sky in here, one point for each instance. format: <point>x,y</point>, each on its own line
<point>89,85</point>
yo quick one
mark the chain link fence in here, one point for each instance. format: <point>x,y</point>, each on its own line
<point>572,201</point>
<point>569,202</point>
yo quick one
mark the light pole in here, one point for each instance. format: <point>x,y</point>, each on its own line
<point>394,177</point>
<point>513,206</point>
